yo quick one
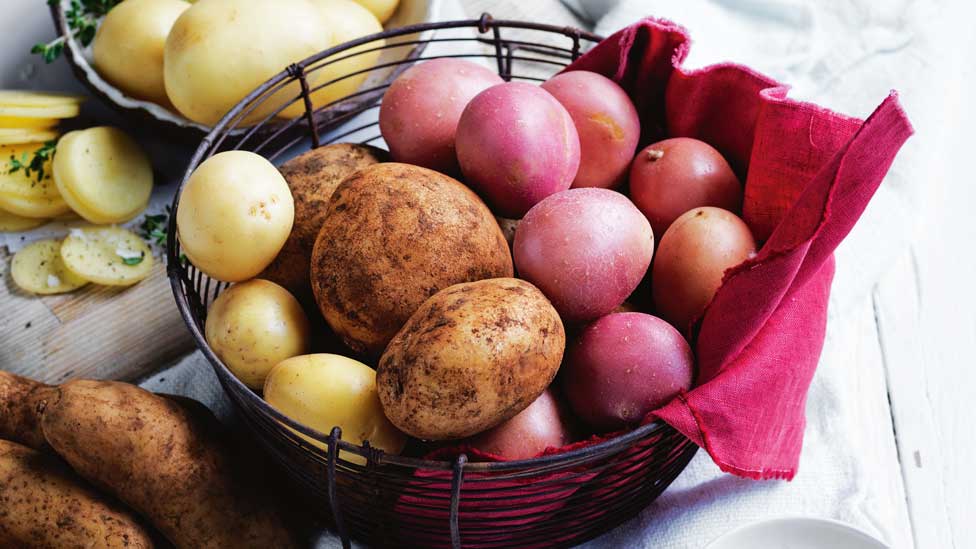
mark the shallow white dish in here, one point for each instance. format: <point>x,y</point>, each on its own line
<point>797,533</point>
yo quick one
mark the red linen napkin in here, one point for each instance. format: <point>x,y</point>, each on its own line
<point>809,174</point>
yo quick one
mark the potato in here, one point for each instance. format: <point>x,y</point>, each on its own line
<point>393,236</point>
<point>19,399</point>
<point>586,249</point>
<point>382,9</point>
<point>218,51</point>
<point>28,195</point>
<point>624,366</point>
<point>254,325</point>
<point>165,460</point>
<point>44,504</point>
<point>10,222</point>
<point>28,122</point>
<point>109,256</point>
<point>323,391</point>
<point>103,174</point>
<point>508,227</point>
<point>420,110</point>
<point>128,47</point>
<point>517,145</point>
<point>37,99</point>
<point>15,136</point>
<point>693,256</point>
<point>472,357</point>
<point>348,21</point>
<point>544,424</point>
<point>312,177</point>
<point>673,176</point>
<point>235,213</point>
<point>606,121</point>
<point>38,268</point>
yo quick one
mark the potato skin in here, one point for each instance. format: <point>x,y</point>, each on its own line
<point>312,178</point>
<point>164,460</point>
<point>19,397</point>
<point>44,504</point>
<point>471,357</point>
<point>394,235</point>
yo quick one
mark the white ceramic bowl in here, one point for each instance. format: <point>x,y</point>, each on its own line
<point>797,533</point>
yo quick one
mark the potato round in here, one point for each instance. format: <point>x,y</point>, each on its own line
<point>323,391</point>
<point>517,145</point>
<point>586,249</point>
<point>103,174</point>
<point>693,256</point>
<point>254,325</point>
<point>38,268</point>
<point>623,366</point>
<point>107,255</point>
<point>234,214</point>
<point>348,21</point>
<point>218,51</point>
<point>473,356</point>
<point>15,136</point>
<point>606,121</point>
<point>23,194</point>
<point>394,235</point>
<point>544,424</point>
<point>10,222</point>
<point>382,9</point>
<point>421,109</point>
<point>673,176</point>
<point>128,47</point>
<point>31,122</point>
<point>312,178</point>
<point>37,99</point>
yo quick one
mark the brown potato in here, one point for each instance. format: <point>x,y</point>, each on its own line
<point>394,235</point>
<point>165,460</point>
<point>470,358</point>
<point>312,177</point>
<point>44,504</point>
<point>19,397</point>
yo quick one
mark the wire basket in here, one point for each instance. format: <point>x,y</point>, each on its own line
<point>390,500</point>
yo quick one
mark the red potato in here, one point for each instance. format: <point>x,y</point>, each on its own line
<point>691,260</point>
<point>673,176</point>
<point>607,124</point>
<point>544,424</point>
<point>420,110</point>
<point>517,145</point>
<point>586,249</point>
<point>623,366</point>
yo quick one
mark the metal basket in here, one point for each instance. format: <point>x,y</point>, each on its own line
<point>390,500</point>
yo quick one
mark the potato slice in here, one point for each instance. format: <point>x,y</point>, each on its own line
<point>12,136</point>
<point>24,194</point>
<point>30,98</point>
<point>12,223</point>
<point>30,122</point>
<point>37,268</point>
<point>53,111</point>
<point>107,255</point>
<point>103,174</point>
<point>38,208</point>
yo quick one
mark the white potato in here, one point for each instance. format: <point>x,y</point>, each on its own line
<point>254,325</point>
<point>28,122</point>
<point>220,50</point>
<point>12,223</point>
<point>348,21</point>
<point>323,391</point>
<point>27,195</point>
<point>107,255</point>
<point>15,136</point>
<point>37,99</point>
<point>103,174</point>
<point>37,268</point>
<point>128,47</point>
<point>235,213</point>
<point>382,9</point>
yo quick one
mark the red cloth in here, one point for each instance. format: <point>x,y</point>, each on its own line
<point>809,175</point>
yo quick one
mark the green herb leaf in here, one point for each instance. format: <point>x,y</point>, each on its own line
<point>82,20</point>
<point>134,260</point>
<point>38,159</point>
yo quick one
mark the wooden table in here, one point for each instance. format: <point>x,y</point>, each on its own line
<point>917,332</point>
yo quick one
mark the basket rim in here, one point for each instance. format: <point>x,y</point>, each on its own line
<point>174,268</point>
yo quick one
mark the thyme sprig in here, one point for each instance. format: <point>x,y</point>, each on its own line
<point>82,18</point>
<point>33,165</point>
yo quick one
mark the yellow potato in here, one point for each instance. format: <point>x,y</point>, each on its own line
<point>107,255</point>
<point>382,9</point>
<point>28,122</point>
<point>254,325</point>
<point>24,194</point>
<point>37,268</point>
<point>235,213</point>
<point>52,111</point>
<point>349,21</point>
<point>128,47</point>
<point>322,391</point>
<point>15,136</point>
<point>220,50</point>
<point>15,223</point>
<point>37,99</point>
<point>103,174</point>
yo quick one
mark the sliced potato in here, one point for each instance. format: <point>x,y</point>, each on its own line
<point>107,255</point>
<point>53,111</point>
<point>12,223</point>
<point>24,194</point>
<point>30,98</point>
<point>37,268</point>
<point>12,136</point>
<point>28,122</point>
<point>38,208</point>
<point>103,174</point>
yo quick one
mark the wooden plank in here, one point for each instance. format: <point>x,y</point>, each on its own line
<point>96,332</point>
